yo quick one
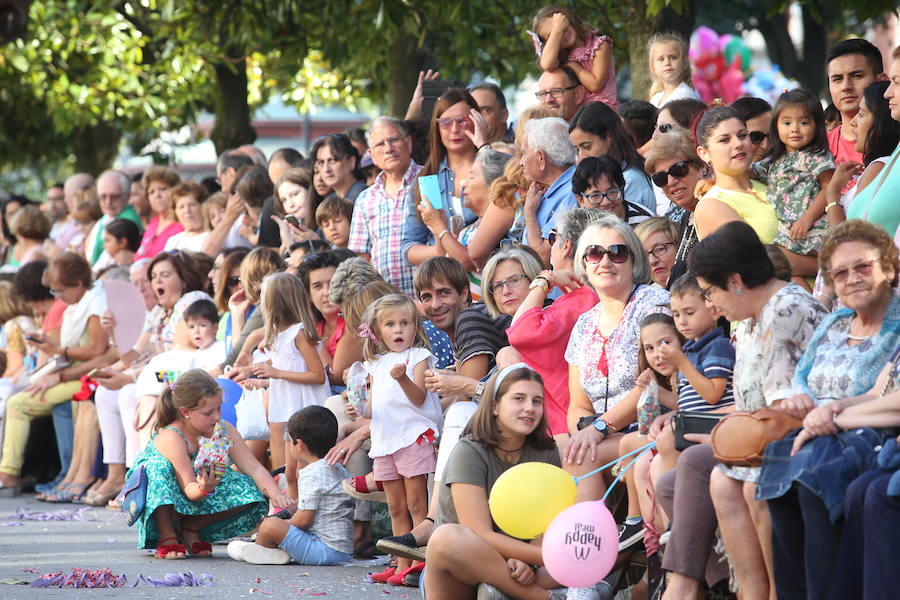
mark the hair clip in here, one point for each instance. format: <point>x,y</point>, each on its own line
<point>538,44</point>
<point>365,331</point>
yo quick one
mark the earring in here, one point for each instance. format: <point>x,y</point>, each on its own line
<point>739,291</point>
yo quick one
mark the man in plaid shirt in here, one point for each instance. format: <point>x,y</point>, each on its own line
<point>379,216</point>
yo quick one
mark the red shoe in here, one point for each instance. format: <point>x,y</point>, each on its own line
<point>384,575</point>
<point>400,578</point>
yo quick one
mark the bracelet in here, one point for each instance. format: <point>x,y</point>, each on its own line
<point>202,491</point>
<point>442,234</point>
<point>484,145</point>
<point>830,205</point>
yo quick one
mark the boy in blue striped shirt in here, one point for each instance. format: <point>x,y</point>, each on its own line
<point>706,361</point>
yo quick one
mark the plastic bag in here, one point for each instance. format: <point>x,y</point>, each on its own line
<point>357,388</point>
<point>251,416</point>
<point>648,407</point>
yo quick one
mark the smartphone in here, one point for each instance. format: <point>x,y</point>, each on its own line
<point>294,221</point>
<point>431,91</point>
<point>34,338</point>
<point>430,190</point>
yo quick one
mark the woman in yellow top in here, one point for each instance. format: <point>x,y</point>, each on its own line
<point>725,144</point>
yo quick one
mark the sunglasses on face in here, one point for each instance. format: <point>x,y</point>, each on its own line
<point>758,137</point>
<point>863,269</point>
<point>461,122</point>
<point>552,237</point>
<point>618,253</point>
<point>233,281</point>
<point>677,171</point>
<point>596,198</point>
<point>664,127</point>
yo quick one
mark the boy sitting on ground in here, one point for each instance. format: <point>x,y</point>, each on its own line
<point>321,531</point>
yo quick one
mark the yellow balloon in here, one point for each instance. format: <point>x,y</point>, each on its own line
<point>527,497</point>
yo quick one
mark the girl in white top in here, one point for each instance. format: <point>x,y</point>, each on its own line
<point>295,370</point>
<point>405,416</point>
<point>670,69</point>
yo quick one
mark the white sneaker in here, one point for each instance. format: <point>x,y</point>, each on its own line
<point>598,591</point>
<point>260,555</point>
<point>234,549</point>
<point>488,592</point>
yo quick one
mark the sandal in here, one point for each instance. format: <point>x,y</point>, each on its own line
<point>165,551</point>
<point>357,488</point>
<point>198,549</point>
<point>69,494</point>
<point>384,575</point>
<point>399,577</point>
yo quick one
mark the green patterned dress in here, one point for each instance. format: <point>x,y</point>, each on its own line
<point>235,489</point>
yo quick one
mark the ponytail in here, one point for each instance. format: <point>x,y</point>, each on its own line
<point>166,413</point>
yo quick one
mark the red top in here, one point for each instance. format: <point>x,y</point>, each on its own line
<point>843,150</point>
<point>541,336</point>
<point>332,342</point>
<point>154,241</point>
<point>53,318</point>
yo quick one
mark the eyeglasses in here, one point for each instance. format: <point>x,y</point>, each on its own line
<point>552,237</point>
<point>513,281</point>
<point>597,198</point>
<point>553,93</point>
<point>660,250</point>
<point>704,293</point>
<point>461,122</point>
<point>57,293</point>
<point>677,171</point>
<point>664,127</point>
<point>758,137</point>
<point>386,142</point>
<point>618,253</point>
<point>863,269</point>
<point>233,281</point>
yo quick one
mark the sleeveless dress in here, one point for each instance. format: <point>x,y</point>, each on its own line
<point>286,397</point>
<point>584,56</point>
<point>235,489</point>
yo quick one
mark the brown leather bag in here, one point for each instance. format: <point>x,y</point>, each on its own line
<point>740,439</point>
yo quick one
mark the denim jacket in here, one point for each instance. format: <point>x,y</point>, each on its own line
<point>415,231</point>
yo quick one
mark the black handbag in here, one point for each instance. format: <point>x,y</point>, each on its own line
<point>692,421</point>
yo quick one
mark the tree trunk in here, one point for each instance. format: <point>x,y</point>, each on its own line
<point>405,60</point>
<point>232,128</point>
<point>779,44</point>
<point>815,34</point>
<point>95,148</point>
<point>638,31</point>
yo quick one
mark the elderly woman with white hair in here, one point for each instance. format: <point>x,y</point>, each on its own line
<point>603,347</point>
<point>548,159</point>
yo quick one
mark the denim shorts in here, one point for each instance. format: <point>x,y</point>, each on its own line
<point>307,549</point>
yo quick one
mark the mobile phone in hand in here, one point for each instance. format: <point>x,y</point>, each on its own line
<point>293,221</point>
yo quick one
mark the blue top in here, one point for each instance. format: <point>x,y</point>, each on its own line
<point>713,356</point>
<point>557,198</point>
<point>441,346</point>
<point>831,369</point>
<point>638,189</point>
<point>415,230</point>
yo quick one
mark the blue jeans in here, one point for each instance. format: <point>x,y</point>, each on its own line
<point>65,434</point>
<point>307,549</point>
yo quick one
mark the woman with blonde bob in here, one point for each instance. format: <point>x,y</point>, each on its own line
<point>467,555</point>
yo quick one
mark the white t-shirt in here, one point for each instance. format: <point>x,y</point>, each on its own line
<point>682,92</point>
<point>192,242</point>
<point>177,361</point>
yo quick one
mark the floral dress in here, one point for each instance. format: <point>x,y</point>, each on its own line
<point>767,352</point>
<point>235,489</point>
<point>608,364</point>
<point>792,186</point>
<point>584,56</point>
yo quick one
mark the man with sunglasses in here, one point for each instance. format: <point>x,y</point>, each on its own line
<point>561,91</point>
<point>548,159</point>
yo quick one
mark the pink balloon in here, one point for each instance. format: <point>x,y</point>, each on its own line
<point>732,84</point>
<point>581,545</point>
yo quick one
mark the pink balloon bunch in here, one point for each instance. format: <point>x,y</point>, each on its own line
<point>712,77</point>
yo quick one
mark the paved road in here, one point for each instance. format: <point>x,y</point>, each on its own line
<point>105,541</point>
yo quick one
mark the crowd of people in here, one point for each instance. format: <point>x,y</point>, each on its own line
<point>404,315</point>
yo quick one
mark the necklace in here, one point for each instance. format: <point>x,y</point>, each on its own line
<point>508,453</point>
<point>858,338</point>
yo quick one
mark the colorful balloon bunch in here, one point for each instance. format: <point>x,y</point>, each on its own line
<point>720,64</point>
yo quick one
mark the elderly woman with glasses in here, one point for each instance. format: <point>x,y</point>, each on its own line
<point>603,347</point>
<point>660,238</point>
<point>598,182</point>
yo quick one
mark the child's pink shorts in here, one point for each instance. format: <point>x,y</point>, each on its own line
<point>416,459</point>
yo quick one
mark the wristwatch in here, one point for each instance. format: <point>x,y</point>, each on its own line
<point>479,392</point>
<point>601,426</point>
<point>542,280</point>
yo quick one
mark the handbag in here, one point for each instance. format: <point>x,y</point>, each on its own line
<point>740,439</point>
<point>135,495</point>
<point>692,421</point>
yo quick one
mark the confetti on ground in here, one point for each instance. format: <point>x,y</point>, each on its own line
<point>11,524</point>
<point>104,578</point>
<point>79,514</point>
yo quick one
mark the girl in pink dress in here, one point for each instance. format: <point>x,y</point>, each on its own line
<point>561,39</point>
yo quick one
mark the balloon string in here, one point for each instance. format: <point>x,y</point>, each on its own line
<point>611,463</point>
<point>619,476</point>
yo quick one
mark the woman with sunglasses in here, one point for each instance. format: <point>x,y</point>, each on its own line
<point>598,182</point>
<point>603,347</point>
<point>451,155</point>
<point>840,365</point>
<point>675,168</point>
<point>596,130</point>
